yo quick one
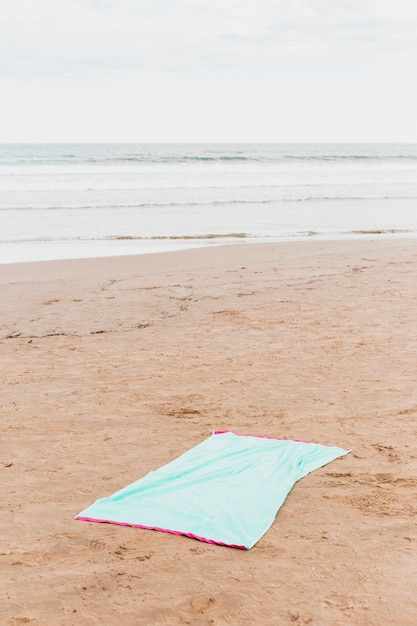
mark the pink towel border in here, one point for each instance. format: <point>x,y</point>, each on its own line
<point>222,432</point>
<point>162,530</point>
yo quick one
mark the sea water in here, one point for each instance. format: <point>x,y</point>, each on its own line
<point>62,201</point>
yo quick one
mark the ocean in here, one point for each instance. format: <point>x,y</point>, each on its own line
<point>61,201</point>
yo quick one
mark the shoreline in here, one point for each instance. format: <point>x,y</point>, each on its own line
<point>114,366</point>
<point>167,244</point>
<point>371,238</point>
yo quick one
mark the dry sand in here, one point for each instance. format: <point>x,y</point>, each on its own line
<point>113,367</point>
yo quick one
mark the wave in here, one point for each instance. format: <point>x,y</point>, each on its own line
<point>178,237</point>
<point>309,233</point>
<point>221,236</point>
<point>350,157</point>
<point>210,203</point>
<point>184,159</point>
<point>267,154</point>
<point>382,231</point>
<point>194,187</point>
<point>196,237</point>
<point>139,159</point>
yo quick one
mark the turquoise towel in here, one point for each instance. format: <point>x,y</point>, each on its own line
<point>227,490</point>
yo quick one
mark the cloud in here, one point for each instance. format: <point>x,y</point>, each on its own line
<point>208,70</point>
<point>80,36</point>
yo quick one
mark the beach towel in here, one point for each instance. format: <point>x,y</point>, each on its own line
<point>226,490</point>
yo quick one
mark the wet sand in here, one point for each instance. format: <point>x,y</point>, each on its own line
<point>113,367</point>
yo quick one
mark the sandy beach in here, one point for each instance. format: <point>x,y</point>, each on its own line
<point>113,367</point>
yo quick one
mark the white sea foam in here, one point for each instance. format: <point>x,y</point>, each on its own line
<point>66,201</point>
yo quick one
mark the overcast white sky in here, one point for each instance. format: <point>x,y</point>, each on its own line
<point>208,70</point>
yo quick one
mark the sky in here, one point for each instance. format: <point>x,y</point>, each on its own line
<point>208,71</point>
